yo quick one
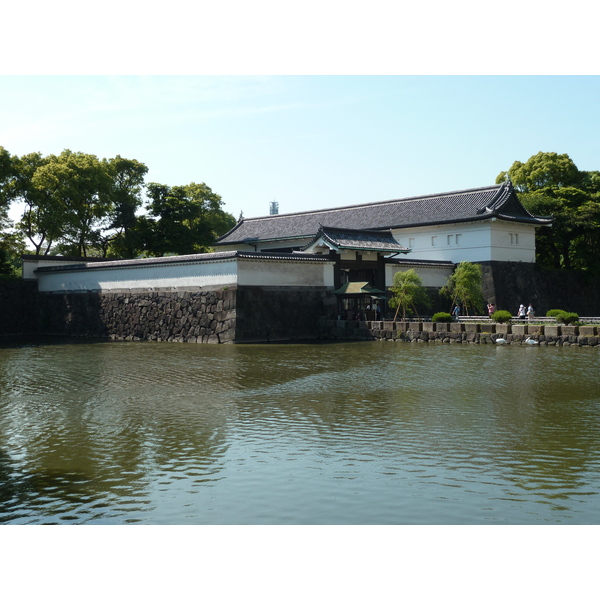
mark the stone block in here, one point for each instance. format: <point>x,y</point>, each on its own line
<point>443,326</point>
<point>588,330</point>
<point>552,331</point>
<point>472,328</point>
<point>503,328</point>
<point>429,326</point>
<point>569,330</point>
<point>520,329</point>
<point>456,327</point>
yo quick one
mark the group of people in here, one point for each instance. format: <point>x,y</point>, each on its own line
<point>526,312</point>
<point>523,312</point>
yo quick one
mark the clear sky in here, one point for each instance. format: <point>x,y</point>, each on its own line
<point>307,141</point>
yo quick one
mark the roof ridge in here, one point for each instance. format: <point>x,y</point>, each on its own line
<point>376,203</point>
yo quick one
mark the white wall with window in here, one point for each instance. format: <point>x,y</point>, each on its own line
<point>477,241</point>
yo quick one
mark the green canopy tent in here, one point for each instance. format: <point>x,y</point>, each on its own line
<point>356,296</point>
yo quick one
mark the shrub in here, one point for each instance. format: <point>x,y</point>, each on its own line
<point>554,312</point>
<point>501,316</point>
<point>442,317</point>
<point>567,317</point>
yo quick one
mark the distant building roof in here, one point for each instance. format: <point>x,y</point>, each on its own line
<point>499,201</point>
<point>353,239</point>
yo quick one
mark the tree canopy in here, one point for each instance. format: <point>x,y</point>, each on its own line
<point>183,219</point>
<point>77,204</point>
<point>551,184</point>
<point>464,287</point>
<point>407,293</point>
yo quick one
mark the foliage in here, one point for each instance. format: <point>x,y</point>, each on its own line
<point>121,239</point>
<point>42,217</point>
<point>501,316</point>
<point>554,312</point>
<point>567,318</point>
<point>464,287</point>
<point>183,219</point>
<point>6,176</point>
<point>77,204</point>
<point>551,184</point>
<point>442,317</point>
<point>544,169</point>
<point>408,292</point>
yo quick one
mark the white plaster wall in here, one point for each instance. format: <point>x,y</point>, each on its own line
<point>284,273</point>
<point>512,242</point>
<point>430,276</point>
<point>201,274</point>
<point>30,265</point>
<point>476,242</point>
<point>473,242</point>
<point>260,246</point>
<point>368,256</point>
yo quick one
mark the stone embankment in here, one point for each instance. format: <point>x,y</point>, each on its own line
<point>461,333</point>
<point>197,317</point>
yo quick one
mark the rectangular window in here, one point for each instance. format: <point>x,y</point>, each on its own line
<point>450,240</point>
<point>458,235</point>
<point>514,239</point>
<point>411,242</point>
<point>433,240</point>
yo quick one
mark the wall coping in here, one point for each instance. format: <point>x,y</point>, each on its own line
<point>140,263</point>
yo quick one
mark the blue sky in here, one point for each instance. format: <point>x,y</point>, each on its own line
<point>307,141</point>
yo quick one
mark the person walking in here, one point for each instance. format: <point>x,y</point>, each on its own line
<point>456,312</point>
<point>522,312</point>
<point>530,312</point>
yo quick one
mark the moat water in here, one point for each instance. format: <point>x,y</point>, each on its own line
<point>348,433</point>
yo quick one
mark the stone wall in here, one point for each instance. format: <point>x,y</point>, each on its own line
<point>245,314</point>
<point>459,333</point>
<point>182,316</point>
<point>18,307</point>
<point>510,284</point>
<point>256,314</point>
<point>270,314</point>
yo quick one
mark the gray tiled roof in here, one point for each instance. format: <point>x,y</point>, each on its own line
<point>498,201</point>
<point>352,239</point>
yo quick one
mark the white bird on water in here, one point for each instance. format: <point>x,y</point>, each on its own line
<point>531,342</point>
<point>500,341</point>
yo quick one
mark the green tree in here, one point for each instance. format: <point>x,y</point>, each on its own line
<point>408,292</point>
<point>79,188</point>
<point>42,218</point>
<point>121,239</point>
<point>464,287</point>
<point>12,247</point>
<point>544,169</point>
<point>550,184</point>
<point>6,177</point>
<point>183,219</point>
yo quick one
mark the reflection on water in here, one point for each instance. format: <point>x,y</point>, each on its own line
<point>379,433</point>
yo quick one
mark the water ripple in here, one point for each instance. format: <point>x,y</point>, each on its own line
<point>350,433</point>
